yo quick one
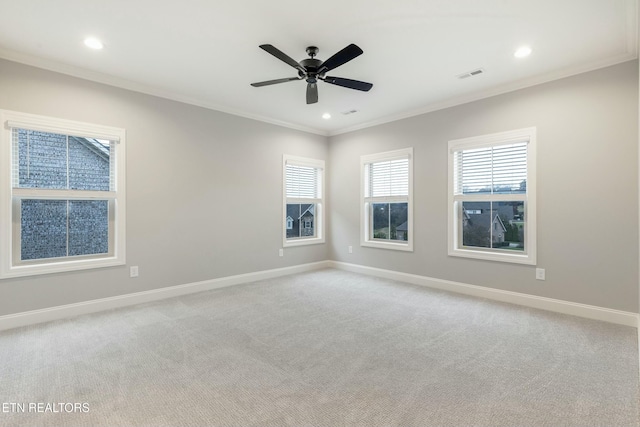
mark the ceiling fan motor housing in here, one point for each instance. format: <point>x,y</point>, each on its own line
<point>311,65</point>
<point>312,69</point>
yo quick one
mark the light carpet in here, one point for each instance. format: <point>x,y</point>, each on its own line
<point>326,348</point>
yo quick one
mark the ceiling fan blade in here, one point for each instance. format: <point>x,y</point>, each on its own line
<point>273,82</point>
<point>281,56</point>
<point>351,84</point>
<point>342,57</point>
<point>312,93</point>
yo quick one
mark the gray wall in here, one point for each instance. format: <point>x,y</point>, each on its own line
<point>196,182</point>
<point>197,179</point>
<point>587,176</point>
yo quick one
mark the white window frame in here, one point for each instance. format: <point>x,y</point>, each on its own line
<point>9,267</point>
<point>318,201</point>
<point>366,238</point>
<point>529,198</point>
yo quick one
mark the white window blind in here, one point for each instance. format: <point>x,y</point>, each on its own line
<point>303,182</point>
<point>489,170</point>
<point>388,178</point>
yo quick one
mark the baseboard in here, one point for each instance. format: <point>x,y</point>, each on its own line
<point>60,312</point>
<point>566,307</point>
<point>549,304</point>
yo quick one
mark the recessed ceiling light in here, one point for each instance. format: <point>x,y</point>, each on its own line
<point>93,43</point>
<point>326,116</point>
<point>522,52</point>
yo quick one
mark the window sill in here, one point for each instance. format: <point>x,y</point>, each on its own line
<point>388,245</point>
<point>60,267</point>
<point>494,256</point>
<point>302,242</point>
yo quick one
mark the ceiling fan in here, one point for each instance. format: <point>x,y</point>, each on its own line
<point>312,70</point>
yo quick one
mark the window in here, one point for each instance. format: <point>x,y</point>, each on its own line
<point>386,206</point>
<point>303,201</point>
<point>492,203</point>
<point>63,195</point>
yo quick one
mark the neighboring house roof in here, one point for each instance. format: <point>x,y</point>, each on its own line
<point>505,211</point>
<point>402,227</point>
<point>484,220</point>
<point>292,210</point>
<point>310,210</point>
<point>94,145</point>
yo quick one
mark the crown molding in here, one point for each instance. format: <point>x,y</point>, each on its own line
<point>97,77</point>
<point>494,91</point>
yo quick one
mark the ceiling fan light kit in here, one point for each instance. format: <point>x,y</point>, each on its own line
<point>313,70</point>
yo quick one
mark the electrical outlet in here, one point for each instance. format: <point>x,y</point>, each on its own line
<point>350,249</point>
<point>133,271</point>
<point>540,273</point>
<point>281,252</point>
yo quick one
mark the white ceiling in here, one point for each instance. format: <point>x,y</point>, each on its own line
<point>206,52</point>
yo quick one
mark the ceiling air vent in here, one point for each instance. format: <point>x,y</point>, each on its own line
<point>346,113</point>
<point>471,73</point>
